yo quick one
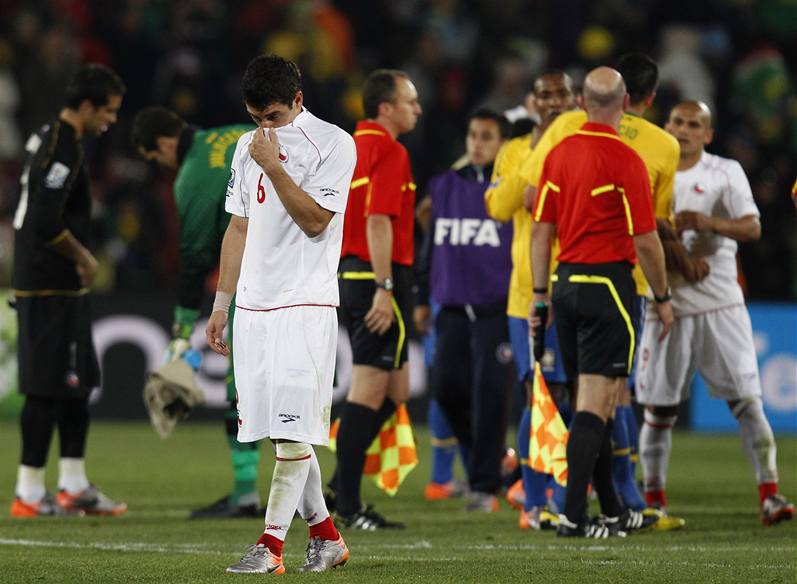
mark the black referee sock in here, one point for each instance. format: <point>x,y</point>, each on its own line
<point>354,436</point>
<point>583,447</point>
<point>602,476</point>
<point>383,415</point>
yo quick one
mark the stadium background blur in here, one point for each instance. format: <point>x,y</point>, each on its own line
<point>189,55</point>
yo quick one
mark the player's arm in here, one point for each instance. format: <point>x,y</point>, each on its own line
<point>505,194</point>
<point>422,312</point>
<point>742,224</point>
<point>311,217</point>
<point>49,193</point>
<point>199,254</point>
<point>544,216</point>
<point>642,227</point>
<point>85,263</point>
<point>747,228</point>
<point>379,233</point>
<point>232,252</point>
<point>676,257</point>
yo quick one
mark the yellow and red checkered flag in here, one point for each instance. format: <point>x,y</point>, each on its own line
<point>392,454</point>
<point>548,437</point>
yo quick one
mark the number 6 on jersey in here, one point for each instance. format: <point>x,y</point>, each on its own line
<point>261,190</point>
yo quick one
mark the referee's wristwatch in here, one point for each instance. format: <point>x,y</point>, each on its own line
<point>386,284</point>
<point>664,298</point>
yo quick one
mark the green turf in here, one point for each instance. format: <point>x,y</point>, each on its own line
<point>710,484</point>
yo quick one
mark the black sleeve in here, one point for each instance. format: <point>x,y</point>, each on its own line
<point>193,273</point>
<point>423,267</point>
<point>52,174</point>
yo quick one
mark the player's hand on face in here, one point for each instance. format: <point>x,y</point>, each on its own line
<point>693,220</point>
<point>214,332</point>
<point>664,311</point>
<point>379,319</point>
<point>265,149</point>
<point>422,317</point>
<point>87,270</point>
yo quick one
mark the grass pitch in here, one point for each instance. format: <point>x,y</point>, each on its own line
<point>710,484</point>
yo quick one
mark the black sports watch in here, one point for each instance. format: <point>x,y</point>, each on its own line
<point>660,299</point>
<point>386,284</point>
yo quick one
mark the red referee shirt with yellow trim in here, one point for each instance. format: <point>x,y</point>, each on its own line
<point>382,185</point>
<point>597,192</point>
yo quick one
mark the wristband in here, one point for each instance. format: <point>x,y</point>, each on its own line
<point>540,290</point>
<point>661,299</point>
<point>222,301</point>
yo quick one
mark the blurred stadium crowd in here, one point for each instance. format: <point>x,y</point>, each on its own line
<point>189,55</point>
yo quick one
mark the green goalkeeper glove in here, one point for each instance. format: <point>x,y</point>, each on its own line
<point>184,321</point>
<point>183,327</point>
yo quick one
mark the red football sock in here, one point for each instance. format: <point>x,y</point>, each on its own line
<point>765,490</point>
<point>325,530</point>
<point>272,543</point>
<point>656,498</point>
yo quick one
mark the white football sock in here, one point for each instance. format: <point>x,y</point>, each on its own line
<point>30,483</point>
<point>287,484</point>
<point>312,506</point>
<point>758,441</point>
<point>655,446</point>
<point>72,475</point>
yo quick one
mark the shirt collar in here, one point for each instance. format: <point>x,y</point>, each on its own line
<point>596,127</point>
<point>371,125</point>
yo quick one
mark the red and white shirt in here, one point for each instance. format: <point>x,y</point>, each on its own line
<point>281,265</point>
<point>717,187</point>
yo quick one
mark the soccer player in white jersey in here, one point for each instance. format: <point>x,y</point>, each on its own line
<point>287,193</point>
<point>712,334</point>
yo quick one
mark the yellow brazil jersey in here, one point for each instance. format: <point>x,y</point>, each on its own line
<point>504,200</point>
<point>658,150</point>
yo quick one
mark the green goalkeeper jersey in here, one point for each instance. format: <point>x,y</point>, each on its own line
<point>200,190</point>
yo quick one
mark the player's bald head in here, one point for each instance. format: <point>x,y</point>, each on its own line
<point>604,90</point>
<point>696,109</point>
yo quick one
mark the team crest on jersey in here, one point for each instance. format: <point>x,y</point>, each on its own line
<point>699,188</point>
<point>57,176</point>
<point>231,182</point>
<point>283,154</point>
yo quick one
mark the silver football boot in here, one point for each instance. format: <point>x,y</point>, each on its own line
<point>258,559</point>
<point>325,554</point>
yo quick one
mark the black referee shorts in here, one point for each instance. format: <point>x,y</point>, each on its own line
<point>357,288</point>
<point>593,307</point>
<point>55,351</point>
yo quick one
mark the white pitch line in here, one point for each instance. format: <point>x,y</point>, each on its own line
<point>633,548</point>
<point>184,549</point>
<point>203,549</point>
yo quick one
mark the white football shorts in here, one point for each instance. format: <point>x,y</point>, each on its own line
<point>284,364</point>
<point>718,345</point>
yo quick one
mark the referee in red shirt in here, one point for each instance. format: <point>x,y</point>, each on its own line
<point>594,196</point>
<point>375,283</point>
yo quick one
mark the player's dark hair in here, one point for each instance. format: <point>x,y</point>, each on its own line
<point>485,113</point>
<point>155,122</point>
<point>380,87</point>
<point>641,75</point>
<point>94,82</point>
<point>270,79</point>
